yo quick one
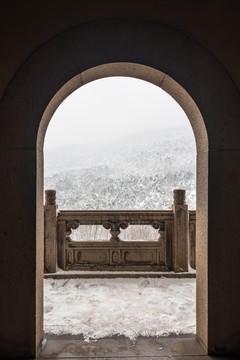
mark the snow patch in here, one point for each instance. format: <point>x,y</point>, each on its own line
<point>98,308</point>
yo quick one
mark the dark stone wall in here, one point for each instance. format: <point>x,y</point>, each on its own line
<point>198,47</point>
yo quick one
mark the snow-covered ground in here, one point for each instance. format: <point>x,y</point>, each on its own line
<point>98,308</point>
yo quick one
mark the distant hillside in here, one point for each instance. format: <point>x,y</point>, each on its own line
<point>138,172</point>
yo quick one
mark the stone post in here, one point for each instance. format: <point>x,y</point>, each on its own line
<point>180,238</point>
<point>192,239</point>
<point>50,232</point>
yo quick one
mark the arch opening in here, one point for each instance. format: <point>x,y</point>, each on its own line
<point>125,134</point>
<point>140,72</point>
<point>143,159</point>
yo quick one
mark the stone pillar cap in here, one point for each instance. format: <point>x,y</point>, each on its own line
<point>179,196</point>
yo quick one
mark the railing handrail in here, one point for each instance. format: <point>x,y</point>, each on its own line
<point>116,211</point>
<point>95,217</point>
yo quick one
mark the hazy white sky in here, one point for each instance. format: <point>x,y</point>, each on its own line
<point>109,108</point>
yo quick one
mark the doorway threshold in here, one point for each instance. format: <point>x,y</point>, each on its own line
<point>120,347</point>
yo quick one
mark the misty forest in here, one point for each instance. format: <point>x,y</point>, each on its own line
<point>138,172</point>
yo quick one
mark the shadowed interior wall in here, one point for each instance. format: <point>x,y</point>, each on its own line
<point>22,107</point>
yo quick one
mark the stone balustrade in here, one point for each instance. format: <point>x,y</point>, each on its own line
<point>176,235</point>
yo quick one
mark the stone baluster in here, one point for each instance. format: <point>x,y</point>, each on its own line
<point>50,231</point>
<point>180,238</point>
<point>115,226</point>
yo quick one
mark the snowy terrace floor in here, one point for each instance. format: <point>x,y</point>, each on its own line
<point>98,308</point>
<point>120,318</point>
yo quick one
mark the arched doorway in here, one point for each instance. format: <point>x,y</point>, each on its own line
<point>141,72</point>
<point>128,145</point>
<point>108,48</point>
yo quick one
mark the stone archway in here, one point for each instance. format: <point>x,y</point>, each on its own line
<point>159,79</point>
<point>200,85</point>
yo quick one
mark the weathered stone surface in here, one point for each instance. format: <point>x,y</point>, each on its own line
<point>50,238</point>
<point>180,239</point>
<point>50,197</point>
<point>192,239</point>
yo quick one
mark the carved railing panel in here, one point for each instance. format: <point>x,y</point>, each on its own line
<point>115,254</point>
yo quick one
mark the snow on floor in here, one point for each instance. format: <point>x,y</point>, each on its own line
<point>100,308</point>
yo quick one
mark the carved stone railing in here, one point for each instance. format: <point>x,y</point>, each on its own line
<point>168,253</point>
<point>114,253</point>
